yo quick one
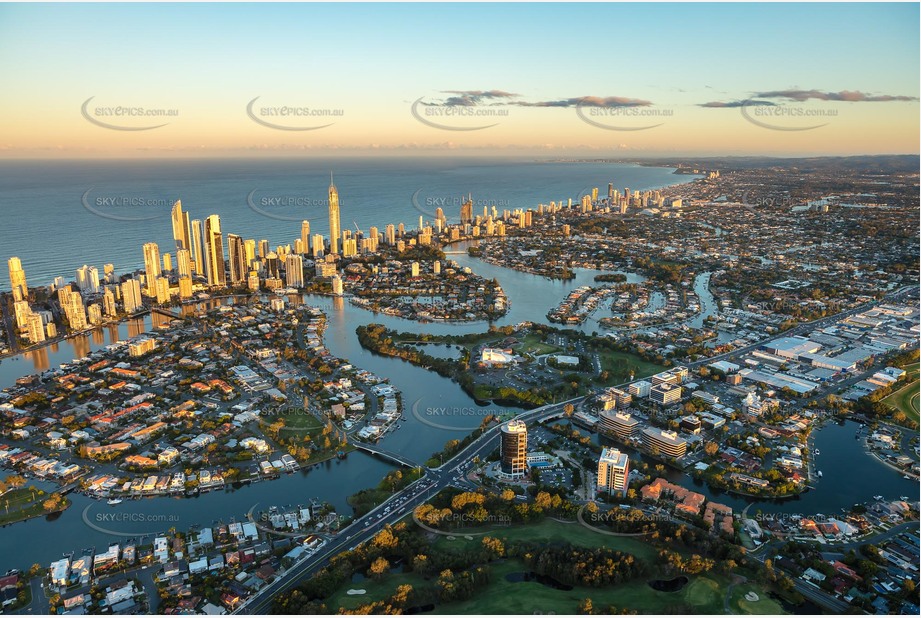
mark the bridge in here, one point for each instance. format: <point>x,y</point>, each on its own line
<point>385,454</point>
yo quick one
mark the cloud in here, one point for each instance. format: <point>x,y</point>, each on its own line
<point>589,102</point>
<point>736,103</point>
<point>801,96</point>
<point>472,98</point>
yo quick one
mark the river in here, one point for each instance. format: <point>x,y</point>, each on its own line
<point>850,475</point>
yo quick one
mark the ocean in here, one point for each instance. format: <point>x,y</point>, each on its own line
<point>59,215</point>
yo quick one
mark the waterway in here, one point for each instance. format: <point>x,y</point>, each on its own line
<point>850,475</point>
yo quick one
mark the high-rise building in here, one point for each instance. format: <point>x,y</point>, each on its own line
<point>336,282</point>
<point>185,287</point>
<point>108,303</point>
<point>151,266</point>
<point>236,255</point>
<point>666,443</point>
<point>514,448</point>
<point>294,271</point>
<point>163,294</point>
<point>390,234</point>
<point>18,279</point>
<point>613,471</point>
<point>181,231</point>
<point>305,236</point>
<point>316,247</point>
<point>131,296</point>
<point>88,279</point>
<point>198,262</point>
<point>214,252</point>
<point>466,211</point>
<point>35,328</point>
<point>167,263</point>
<point>184,263</point>
<point>334,225</point>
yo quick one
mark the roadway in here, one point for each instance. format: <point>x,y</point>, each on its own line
<point>390,511</point>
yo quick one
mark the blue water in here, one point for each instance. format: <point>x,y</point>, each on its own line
<point>47,225</point>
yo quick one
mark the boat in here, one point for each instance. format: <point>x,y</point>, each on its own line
<point>877,497</point>
<point>903,498</point>
<point>816,451</point>
<point>819,474</point>
<point>114,501</point>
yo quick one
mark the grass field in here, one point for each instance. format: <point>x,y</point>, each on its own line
<point>18,504</point>
<point>551,531</point>
<point>531,344</point>
<point>704,594</point>
<point>619,365</point>
<point>907,398</point>
<point>764,605</point>
<point>301,422</point>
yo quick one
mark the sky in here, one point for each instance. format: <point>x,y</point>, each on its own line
<point>614,80</point>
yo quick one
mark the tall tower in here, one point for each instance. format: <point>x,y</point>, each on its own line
<point>334,227</point>
<point>613,471</point>
<point>236,253</point>
<point>18,279</point>
<point>305,236</point>
<point>514,448</point>
<point>466,212</point>
<point>181,233</point>
<point>152,266</point>
<point>198,261</point>
<point>214,252</point>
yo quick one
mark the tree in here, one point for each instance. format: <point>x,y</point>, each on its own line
<point>711,448</point>
<point>568,409</point>
<point>378,568</point>
<point>585,607</point>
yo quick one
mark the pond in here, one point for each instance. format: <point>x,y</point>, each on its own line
<point>669,585</point>
<point>531,576</point>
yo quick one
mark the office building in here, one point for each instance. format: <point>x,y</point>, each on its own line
<point>665,393</point>
<point>618,424</point>
<point>514,449</point>
<point>613,471</point>
<point>663,442</point>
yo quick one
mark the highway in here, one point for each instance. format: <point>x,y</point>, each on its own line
<point>436,479</point>
<point>365,528</point>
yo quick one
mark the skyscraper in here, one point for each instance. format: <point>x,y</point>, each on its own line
<point>334,226</point>
<point>131,296</point>
<point>294,271</point>
<point>305,236</point>
<point>466,211</point>
<point>184,262</point>
<point>613,471</point>
<point>88,279</point>
<point>198,263</point>
<point>214,252</point>
<point>181,233</point>
<point>151,266</point>
<point>236,254</point>
<point>18,279</point>
<point>514,448</point>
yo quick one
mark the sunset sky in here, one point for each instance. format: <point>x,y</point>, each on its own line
<point>553,79</point>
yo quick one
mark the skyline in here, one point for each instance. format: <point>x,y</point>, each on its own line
<point>663,79</point>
